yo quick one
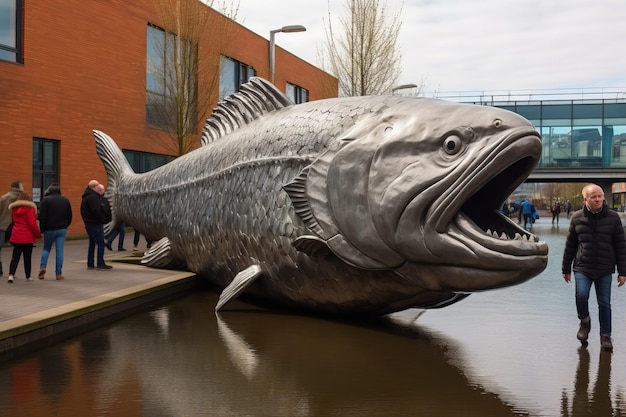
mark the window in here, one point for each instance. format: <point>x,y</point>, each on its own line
<point>297,94</point>
<point>167,57</point>
<point>11,31</point>
<point>232,75</point>
<point>45,166</point>
<point>145,161</point>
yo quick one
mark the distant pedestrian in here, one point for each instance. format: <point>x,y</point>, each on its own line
<point>5,213</point>
<point>120,230</point>
<point>55,216</point>
<point>595,245</point>
<point>94,218</point>
<point>136,240</point>
<point>556,210</point>
<point>568,208</point>
<point>528,211</point>
<point>25,233</point>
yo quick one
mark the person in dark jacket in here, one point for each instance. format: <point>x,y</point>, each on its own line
<point>25,233</point>
<point>595,244</point>
<point>55,216</point>
<point>94,219</point>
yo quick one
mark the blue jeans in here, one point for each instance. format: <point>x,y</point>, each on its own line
<point>58,238</point>
<point>528,219</point>
<point>603,294</point>
<point>96,238</point>
<point>119,230</point>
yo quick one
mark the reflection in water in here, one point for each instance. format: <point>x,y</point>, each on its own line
<point>249,363</point>
<point>502,353</point>
<point>598,402</point>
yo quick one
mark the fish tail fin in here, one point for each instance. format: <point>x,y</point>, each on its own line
<point>116,166</point>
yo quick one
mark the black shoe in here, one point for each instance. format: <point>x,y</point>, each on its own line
<point>90,266</point>
<point>104,267</point>
<point>108,245</point>
<point>606,343</point>
<point>121,250</point>
<point>583,331</point>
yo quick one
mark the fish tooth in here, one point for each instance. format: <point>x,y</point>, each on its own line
<point>488,231</point>
<point>504,236</point>
<point>518,236</point>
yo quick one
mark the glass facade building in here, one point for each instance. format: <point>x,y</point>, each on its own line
<point>580,129</point>
<point>578,133</point>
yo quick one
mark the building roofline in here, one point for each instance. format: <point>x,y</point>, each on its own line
<point>531,96</point>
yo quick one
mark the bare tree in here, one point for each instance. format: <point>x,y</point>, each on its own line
<point>183,80</point>
<point>363,52</point>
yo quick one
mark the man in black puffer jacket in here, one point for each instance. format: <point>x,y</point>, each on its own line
<point>595,244</point>
<point>94,219</point>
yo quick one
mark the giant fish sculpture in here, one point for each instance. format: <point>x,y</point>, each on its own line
<point>353,205</point>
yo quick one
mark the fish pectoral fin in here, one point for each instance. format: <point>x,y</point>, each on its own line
<point>241,281</point>
<point>313,246</point>
<point>160,256</point>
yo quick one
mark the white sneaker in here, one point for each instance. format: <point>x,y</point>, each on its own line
<point>10,279</point>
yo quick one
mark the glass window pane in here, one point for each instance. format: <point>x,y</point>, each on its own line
<point>529,112</point>
<point>49,156</point>
<point>37,155</point>
<point>615,110</point>
<point>8,25</point>
<point>8,56</point>
<point>618,143</point>
<point>561,111</point>
<point>290,92</point>
<point>587,111</point>
<point>155,62</point>
<point>227,77</point>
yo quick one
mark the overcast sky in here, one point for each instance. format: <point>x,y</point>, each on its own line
<point>487,45</point>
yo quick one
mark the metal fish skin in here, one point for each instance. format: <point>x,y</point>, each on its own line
<point>344,206</point>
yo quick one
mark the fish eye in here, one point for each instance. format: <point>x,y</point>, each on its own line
<point>452,145</point>
<point>497,123</point>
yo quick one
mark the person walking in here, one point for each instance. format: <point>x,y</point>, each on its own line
<point>595,245</point>
<point>5,213</point>
<point>55,216</point>
<point>568,208</point>
<point>94,218</point>
<point>25,233</point>
<point>120,231</point>
<point>136,238</point>
<point>528,212</point>
<point>556,210</point>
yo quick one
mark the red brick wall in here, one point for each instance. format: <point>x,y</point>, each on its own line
<point>84,69</point>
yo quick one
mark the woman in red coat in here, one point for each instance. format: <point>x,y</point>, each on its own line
<point>25,233</point>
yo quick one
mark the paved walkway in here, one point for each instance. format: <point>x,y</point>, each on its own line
<point>36,309</point>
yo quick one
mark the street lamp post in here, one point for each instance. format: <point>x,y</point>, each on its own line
<point>285,29</point>
<point>402,87</point>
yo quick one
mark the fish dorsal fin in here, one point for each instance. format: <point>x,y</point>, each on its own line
<point>255,98</point>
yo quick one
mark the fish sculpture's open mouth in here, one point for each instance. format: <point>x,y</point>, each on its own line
<point>470,211</point>
<point>483,208</point>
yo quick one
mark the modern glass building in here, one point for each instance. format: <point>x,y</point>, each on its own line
<point>580,128</point>
<point>577,133</point>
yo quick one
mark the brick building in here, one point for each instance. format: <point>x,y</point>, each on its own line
<point>72,66</point>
